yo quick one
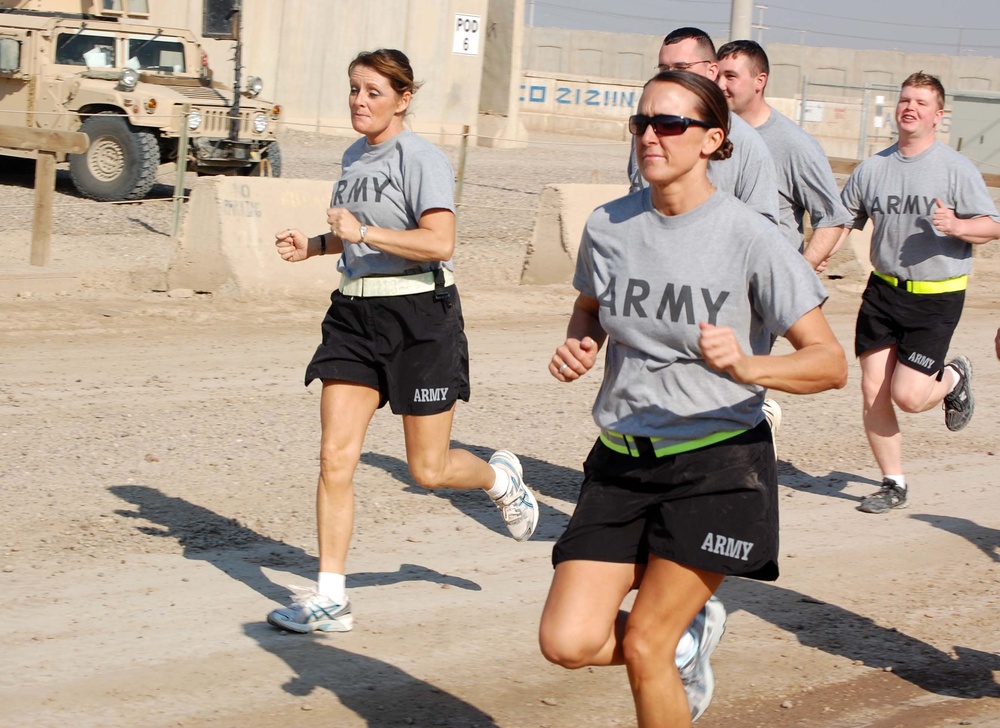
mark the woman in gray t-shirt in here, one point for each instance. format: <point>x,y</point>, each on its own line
<point>394,330</point>
<point>686,284</point>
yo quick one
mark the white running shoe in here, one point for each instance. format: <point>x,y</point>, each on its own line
<point>772,413</point>
<point>699,680</point>
<point>517,506</point>
<point>312,612</point>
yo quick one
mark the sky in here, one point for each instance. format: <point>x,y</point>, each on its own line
<point>951,27</point>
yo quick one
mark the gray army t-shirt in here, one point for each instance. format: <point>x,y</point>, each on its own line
<point>391,185</point>
<point>748,174</point>
<point>656,277</point>
<point>805,180</point>
<point>897,194</point>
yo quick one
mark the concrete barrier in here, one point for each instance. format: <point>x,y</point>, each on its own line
<point>227,244</point>
<point>562,212</point>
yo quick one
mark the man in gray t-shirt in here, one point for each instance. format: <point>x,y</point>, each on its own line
<point>805,180</point>
<point>748,174</point>
<point>928,205</point>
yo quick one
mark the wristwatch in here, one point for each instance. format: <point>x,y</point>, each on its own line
<point>362,231</point>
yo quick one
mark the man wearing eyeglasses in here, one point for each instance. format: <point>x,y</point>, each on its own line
<point>805,180</point>
<point>748,174</point>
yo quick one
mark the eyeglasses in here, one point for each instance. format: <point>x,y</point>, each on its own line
<point>678,66</point>
<point>663,124</point>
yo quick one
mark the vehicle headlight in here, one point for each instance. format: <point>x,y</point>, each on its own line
<point>254,86</point>
<point>194,120</point>
<point>128,79</point>
<point>259,123</point>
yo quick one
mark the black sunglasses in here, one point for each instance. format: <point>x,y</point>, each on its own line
<point>663,124</point>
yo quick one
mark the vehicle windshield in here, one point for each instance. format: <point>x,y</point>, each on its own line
<point>86,49</point>
<point>145,52</point>
<point>150,53</point>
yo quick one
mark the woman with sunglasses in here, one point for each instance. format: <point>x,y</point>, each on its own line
<point>685,284</point>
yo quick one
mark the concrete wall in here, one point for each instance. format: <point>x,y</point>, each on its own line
<point>633,57</point>
<point>301,49</point>
<point>587,82</point>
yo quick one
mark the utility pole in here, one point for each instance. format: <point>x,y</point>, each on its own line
<point>739,19</point>
<point>759,25</point>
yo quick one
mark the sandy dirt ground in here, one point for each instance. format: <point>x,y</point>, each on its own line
<point>157,468</point>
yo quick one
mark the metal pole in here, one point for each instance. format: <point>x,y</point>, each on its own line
<point>182,152</point>
<point>234,112</point>
<point>462,149</point>
<point>802,103</point>
<point>863,132</point>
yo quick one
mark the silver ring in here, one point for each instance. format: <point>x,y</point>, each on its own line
<point>562,367</point>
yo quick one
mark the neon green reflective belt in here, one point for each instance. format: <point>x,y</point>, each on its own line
<point>625,444</point>
<point>948,285</point>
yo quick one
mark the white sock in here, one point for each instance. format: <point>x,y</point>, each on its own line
<point>332,586</point>
<point>955,376</point>
<point>501,483</point>
<point>899,480</point>
<point>687,648</point>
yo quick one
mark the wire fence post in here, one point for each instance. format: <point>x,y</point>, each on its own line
<point>182,152</point>
<point>462,150</point>
<point>866,100</point>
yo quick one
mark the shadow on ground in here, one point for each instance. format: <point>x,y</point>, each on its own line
<point>985,539</point>
<point>839,631</point>
<point>242,553</point>
<point>832,484</point>
<point>380,693</point>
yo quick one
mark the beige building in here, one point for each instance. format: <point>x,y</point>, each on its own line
<point>482,69</point>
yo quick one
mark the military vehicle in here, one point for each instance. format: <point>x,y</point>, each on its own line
<point>100,67</point>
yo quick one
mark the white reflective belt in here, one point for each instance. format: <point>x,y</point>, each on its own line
<point>370,286</point>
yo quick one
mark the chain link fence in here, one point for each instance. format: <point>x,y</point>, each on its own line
<point>855,122</point>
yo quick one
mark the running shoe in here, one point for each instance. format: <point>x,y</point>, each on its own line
<point>312,612</point>
<point>517,506</point>
<point>699,680</point>
<point>960,404</point>
<point>887,497</point>
<point>772,413</point>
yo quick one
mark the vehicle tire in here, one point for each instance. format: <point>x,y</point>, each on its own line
<point>269,165</point>
<point>120,163</point>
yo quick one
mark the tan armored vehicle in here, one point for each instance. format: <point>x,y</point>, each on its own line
<point>94,66</point>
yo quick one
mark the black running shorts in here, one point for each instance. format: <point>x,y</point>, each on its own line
<point>920,325</point>
<point>412,349</point>
<point>715,508</point>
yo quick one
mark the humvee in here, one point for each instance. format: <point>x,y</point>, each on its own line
<point>94,66</point>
